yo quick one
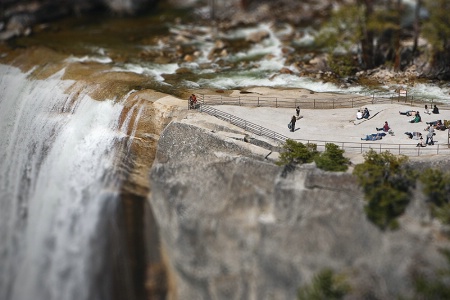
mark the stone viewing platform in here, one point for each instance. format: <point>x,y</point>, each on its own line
<point>339,125</point>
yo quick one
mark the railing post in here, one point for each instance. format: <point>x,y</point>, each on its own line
<point>258,101</point>
<point>221,101</point>
<point>373,98</point>
<point>333,103</point>
<point>352,102</point>
<point>239,100</point>
<point>276,102</point>
<point>314,103</point>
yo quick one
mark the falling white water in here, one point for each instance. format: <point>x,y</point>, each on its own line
<point>57,187</point>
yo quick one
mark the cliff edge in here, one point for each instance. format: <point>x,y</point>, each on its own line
<point>234,225</point>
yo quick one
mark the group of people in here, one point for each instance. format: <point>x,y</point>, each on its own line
<point>192,101</point>
<point>429,140</point>
<point>379,135</point>
<point>436,124</point>
<point>294,118</point>
<point>362,114</point>
<point>434,111</point>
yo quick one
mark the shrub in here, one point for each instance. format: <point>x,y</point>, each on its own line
<point>297,153</point>
<point>343,65</point>
<point>326,285</point>
<point>386,181</point>
<point>437,287</point>
<point>436,187</point>
<point>332,159</point>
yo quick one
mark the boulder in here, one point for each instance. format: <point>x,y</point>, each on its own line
<point>257,36</point>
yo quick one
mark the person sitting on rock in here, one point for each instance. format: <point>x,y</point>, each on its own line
<point>435,109</point>
<point>434,123</point>
<point>359,115</point>
<point>417,118</point>
<point>421,144</point>
<point>385,127</point>
<point>366,113</point>
<point>192,100</point>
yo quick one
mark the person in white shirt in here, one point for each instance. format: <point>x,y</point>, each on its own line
<point>359,115</point>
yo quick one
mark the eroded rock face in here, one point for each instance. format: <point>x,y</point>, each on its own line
<point>236,226</point>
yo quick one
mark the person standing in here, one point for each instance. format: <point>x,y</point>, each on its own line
<point>293,120</point>
<point>297,110</point>
<point>430,136</point>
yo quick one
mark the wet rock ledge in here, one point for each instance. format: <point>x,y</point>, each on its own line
<point>234,225</point>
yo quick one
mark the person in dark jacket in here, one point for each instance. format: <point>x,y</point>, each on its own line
<point>293,120</point>
<point>435,109</point>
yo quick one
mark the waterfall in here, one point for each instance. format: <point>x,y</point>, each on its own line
<point>59,190</point>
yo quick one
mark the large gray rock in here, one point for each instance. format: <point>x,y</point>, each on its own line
<point>236,226</point>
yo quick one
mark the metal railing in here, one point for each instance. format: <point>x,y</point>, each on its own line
<point>406,149</point>
<point>246,125</point>
<point>354,147</point>
<point>326,101</point>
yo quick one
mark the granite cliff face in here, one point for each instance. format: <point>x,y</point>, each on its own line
<point>234,225</point>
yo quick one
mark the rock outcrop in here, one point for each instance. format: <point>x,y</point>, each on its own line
<point>234,225</point>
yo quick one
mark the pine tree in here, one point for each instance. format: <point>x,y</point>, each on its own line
<point>437,31</point>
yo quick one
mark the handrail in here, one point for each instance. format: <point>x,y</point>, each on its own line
<point>406,149</point>
<point>326,101</point>
<point>246,125</point>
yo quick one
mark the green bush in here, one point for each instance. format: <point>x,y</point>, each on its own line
<point>386,181</point>
<point>343,65</point>
<point>332,159</point>
<point>436,187</point>
<point>437,287</point>
<point>297,153</point>
<point>326,285</point>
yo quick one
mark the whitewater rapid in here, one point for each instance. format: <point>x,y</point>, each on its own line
<point>58,189</point>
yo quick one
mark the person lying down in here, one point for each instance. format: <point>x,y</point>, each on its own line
<point>374,136</point>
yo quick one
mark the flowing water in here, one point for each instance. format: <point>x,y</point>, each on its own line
<point>58,190</point>
<point>155,45</point>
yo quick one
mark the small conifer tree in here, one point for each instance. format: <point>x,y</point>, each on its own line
<point>332,159</point>
<point>326,285</point>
